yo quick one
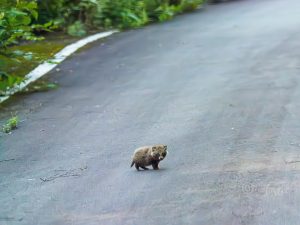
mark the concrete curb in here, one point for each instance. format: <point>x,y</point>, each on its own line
<point>45,67</point>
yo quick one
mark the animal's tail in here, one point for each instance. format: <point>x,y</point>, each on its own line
<point>132,164</point>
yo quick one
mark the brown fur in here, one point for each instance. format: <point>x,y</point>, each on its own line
<point>149,155</point>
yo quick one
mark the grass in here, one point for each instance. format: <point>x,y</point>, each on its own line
<point>21,59</point>
<point>31,54</point>
<point>11,124</point>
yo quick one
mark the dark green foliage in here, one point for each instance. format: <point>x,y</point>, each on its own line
<point>124,14</point>
<point>20,19</point>
<point>15,21</point>
<point>95,14</point>
<point>7,81</point>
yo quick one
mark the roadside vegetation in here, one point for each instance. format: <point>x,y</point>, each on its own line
<point>11,124</point>
<point>24,22</point>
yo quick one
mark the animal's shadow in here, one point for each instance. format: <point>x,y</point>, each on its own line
<point>150,170</point>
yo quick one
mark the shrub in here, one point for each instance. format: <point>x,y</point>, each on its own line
<point>15,21</point>
<point>124,14</point>
<point>15,24</point>
<point>111,13</point>
<point>77,29</point>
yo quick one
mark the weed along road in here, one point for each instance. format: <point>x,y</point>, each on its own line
<point>219,86</point>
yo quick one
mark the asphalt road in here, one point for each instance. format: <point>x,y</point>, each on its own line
<point>219,86</point>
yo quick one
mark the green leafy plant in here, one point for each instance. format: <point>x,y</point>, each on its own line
<point>17,22</point>
<point>77,29</point>
<point>165,12</point>
<point>11,124</point>
<point>93,14</point>
<point>124,14</point>
<point>7,81</point>
<point>68,12</point>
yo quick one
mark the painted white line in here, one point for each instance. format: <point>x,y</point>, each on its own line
<point>45,67</point>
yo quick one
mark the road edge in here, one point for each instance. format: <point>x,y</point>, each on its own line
<point>50,64</point>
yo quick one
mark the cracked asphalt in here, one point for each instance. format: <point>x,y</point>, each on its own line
<point>219,86</point>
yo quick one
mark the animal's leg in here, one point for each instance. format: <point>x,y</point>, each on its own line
<point>155,165</point>
<point>137,166</point>
<point>144,168</point>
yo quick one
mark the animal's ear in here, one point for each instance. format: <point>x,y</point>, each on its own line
<point>154,148</point>
<point>165,147</point>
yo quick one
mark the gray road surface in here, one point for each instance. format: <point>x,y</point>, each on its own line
<point>220,86</point>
